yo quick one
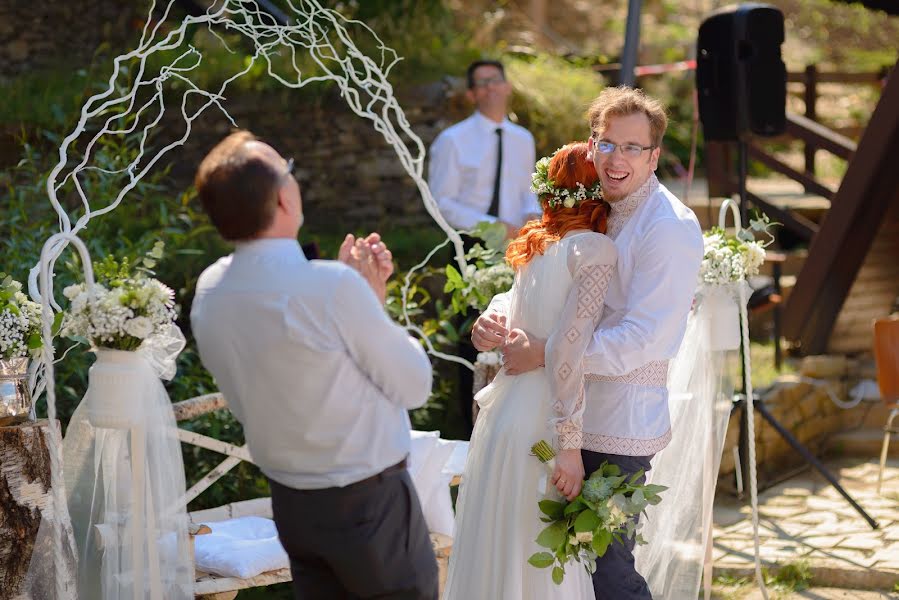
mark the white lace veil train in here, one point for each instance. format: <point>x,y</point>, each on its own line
<point>678,530</point>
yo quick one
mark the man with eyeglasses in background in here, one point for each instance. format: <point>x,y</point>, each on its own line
<point>660,249</point>
<point>480,170</point>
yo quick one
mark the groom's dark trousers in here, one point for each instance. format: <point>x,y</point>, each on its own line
<point>615,577</point>
<point>366,540</point>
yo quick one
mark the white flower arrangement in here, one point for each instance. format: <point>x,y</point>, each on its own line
<point>123,309</point>
<point>732,258</point>
<point>546,189</point>
<point>20,321</point>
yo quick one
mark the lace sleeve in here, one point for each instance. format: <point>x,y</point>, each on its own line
<point>591,261</point>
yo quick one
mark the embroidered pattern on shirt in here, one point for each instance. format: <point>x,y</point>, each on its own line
<point>593,282</point>
<point>570,432</point>
<point>609,444</point>
<point>623,209</point>
<point>652,374</point>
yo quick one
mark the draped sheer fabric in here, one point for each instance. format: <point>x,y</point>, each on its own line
<point>678,530</point>
<point>125,486</point>
<point>497,518</point>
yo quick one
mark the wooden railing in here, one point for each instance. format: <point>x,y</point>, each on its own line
<point>811,77</point>
<point>815,137</point>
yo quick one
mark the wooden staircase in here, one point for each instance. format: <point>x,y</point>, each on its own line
<point>851,273</point>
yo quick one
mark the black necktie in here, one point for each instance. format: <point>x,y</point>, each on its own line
<point>494,203</point>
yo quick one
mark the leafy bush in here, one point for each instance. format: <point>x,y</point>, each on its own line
<point>551,98</point>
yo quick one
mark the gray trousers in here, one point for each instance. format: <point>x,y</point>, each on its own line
<point>615,577</point>
<point>365,540</point>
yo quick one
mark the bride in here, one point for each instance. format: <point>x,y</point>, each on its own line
<point>563,264</point>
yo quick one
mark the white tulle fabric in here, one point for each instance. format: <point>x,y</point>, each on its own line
<point>497,519</point>
<point>700,390</point>
<point>124,479</point>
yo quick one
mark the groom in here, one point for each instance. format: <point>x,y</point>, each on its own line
<point>319,377</point>
<point>660,248</point>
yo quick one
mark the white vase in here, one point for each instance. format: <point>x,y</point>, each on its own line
<point>724,317</point>
<point>115,389</point>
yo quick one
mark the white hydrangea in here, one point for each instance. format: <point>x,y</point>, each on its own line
<point>20,320</point>
<point>729,259</point>
<point>121,317</point>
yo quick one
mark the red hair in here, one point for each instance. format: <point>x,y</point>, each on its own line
<point>568,167</point>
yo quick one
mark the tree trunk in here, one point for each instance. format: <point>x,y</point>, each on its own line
<point>25,500</point>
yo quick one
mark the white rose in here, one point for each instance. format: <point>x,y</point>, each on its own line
<point>139,327</point>
<point>568,202</point>
<point>72,291</point>
<point>584,536</point>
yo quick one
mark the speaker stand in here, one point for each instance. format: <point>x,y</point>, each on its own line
<point>740,399</point>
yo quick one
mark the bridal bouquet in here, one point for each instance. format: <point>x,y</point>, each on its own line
<point>20,321</point>
<point>730,258</point>
<point>581,530</point>
<point>126,305</point>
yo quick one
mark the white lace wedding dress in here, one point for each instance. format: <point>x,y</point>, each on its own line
<point>558,297</point>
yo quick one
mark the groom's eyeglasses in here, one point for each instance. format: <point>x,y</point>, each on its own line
<point>629,150</point>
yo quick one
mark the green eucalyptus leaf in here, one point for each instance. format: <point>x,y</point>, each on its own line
<point>586,521</point>
<point>542,560</point>
<point>558,575</point>
<point>553,536</point>
<point>552,509</point>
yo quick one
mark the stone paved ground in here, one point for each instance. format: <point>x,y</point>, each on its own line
<point>806,520</point>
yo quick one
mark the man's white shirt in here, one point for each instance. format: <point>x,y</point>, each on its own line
<point>660,249</point>
<point>309,363</point>
<point>462,170</point>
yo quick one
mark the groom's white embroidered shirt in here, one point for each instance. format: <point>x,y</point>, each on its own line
<point>644,317</point>
<point>309,363</point>
<point>660,249</point>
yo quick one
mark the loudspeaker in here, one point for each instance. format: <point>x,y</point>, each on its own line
<point>740,76</point>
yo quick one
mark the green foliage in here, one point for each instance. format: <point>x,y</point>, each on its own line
<point>551,98</point>
<point>582,529</point>
<point>792,577</point>
<point>487,273</point>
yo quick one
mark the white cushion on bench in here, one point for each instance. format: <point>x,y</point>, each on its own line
<point>433,463</point>
<point>243,547</point>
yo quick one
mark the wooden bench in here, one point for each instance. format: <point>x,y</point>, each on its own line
<point>215,587</point>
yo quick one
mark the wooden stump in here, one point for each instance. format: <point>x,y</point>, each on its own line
<point>25,500</point>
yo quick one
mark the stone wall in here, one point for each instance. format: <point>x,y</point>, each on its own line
<point>803,408</point>
<point>350,177</point>
<point>36,35</point>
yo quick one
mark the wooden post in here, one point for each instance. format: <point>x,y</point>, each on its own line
<point>538,15</point>
<point>811,100</point>
<point>25,500</point>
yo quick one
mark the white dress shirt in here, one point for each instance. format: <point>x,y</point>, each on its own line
<point>309,363</point>
<point>462,170</point>
<point>660,249</point>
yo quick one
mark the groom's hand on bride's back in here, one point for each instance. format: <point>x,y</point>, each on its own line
<point>522,352</point>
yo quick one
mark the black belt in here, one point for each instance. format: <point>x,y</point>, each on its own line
<point>400,466</point>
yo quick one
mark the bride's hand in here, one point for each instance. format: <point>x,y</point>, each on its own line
<point>568,476</point>
<point>488,332</point>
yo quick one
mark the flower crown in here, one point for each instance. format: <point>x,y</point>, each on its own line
<point>543,186</point>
